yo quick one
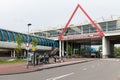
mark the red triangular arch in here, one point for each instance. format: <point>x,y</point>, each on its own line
<point>90,19</point>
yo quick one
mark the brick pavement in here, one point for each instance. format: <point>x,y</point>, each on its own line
<point>22,67</point>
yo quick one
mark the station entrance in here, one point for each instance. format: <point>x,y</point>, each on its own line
<point>84,47</point>
<point>81,47</point>
<point>81,43</point>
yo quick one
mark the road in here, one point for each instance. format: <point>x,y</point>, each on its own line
<point>93,70</point>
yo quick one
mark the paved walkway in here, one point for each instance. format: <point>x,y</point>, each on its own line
<point>22,67</point>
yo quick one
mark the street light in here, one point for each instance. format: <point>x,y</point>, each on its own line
<point>28,42</point>
<point>28,27</point>
<point>27,46</point>
<point>28,33</point>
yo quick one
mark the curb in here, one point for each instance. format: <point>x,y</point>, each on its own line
<point>64,65</point>
<point>48,67</point>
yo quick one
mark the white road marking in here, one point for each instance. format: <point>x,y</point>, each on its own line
<point>111,59</point>
<point>59,77</point>
<point>85,69</point>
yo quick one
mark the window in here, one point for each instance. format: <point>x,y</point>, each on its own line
<point>70,31</point>
<point>43,43</point>
<point>11,36</point>
<point>5,35</point>
<point>29,39</point>
<point>40,41</point>
<point>92,29</point>
<point>85,29</point>
<point>111,25</point>
<point>103,26</point>
<point>24,38</point>
<point>16,35</point>
<point>0,36</point>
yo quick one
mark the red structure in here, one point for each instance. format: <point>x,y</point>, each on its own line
<point>90,19</point>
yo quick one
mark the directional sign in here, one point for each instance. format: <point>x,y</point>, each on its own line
<point>33,48</point>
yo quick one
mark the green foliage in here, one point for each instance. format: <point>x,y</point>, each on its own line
<point>18,49</point>
<point>117,51</point>
<point>69,50</point>
<point>14,61</point>
<point>34,42</point>
<point>75,55</point>
<point>19,39</point>
<point>100,49</point>
<point>19,43</point>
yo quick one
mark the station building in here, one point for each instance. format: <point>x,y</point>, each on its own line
<point>81,37</point>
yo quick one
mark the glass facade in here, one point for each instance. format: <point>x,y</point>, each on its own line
<point>111,25</point>
<point>108,26</point>
<point>24,38</point>
<point>0,36</point>
<point>5,35</point>
<point>70,31</point>
<point>80,29</point>
<point>53,33</point>
<point>103,26</point>
<point>86,29</point>
<point>11,36</point>
<point>15,35</point>
<point>92,29</point>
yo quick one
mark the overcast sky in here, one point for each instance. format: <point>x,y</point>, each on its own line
<point>42,14</point>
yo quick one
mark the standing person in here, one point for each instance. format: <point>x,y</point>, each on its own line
<point>37,59</point>
<point>40,58</point>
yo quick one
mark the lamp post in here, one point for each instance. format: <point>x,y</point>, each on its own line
<point>27,47</point>
<point>28,27</point>
<point>32,48</point>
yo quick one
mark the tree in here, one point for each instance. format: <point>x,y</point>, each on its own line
<point>34,42</point>
<point>19,44</point>
<point>117,51</point>
<point>69,50</point>
<point>100,51</point>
